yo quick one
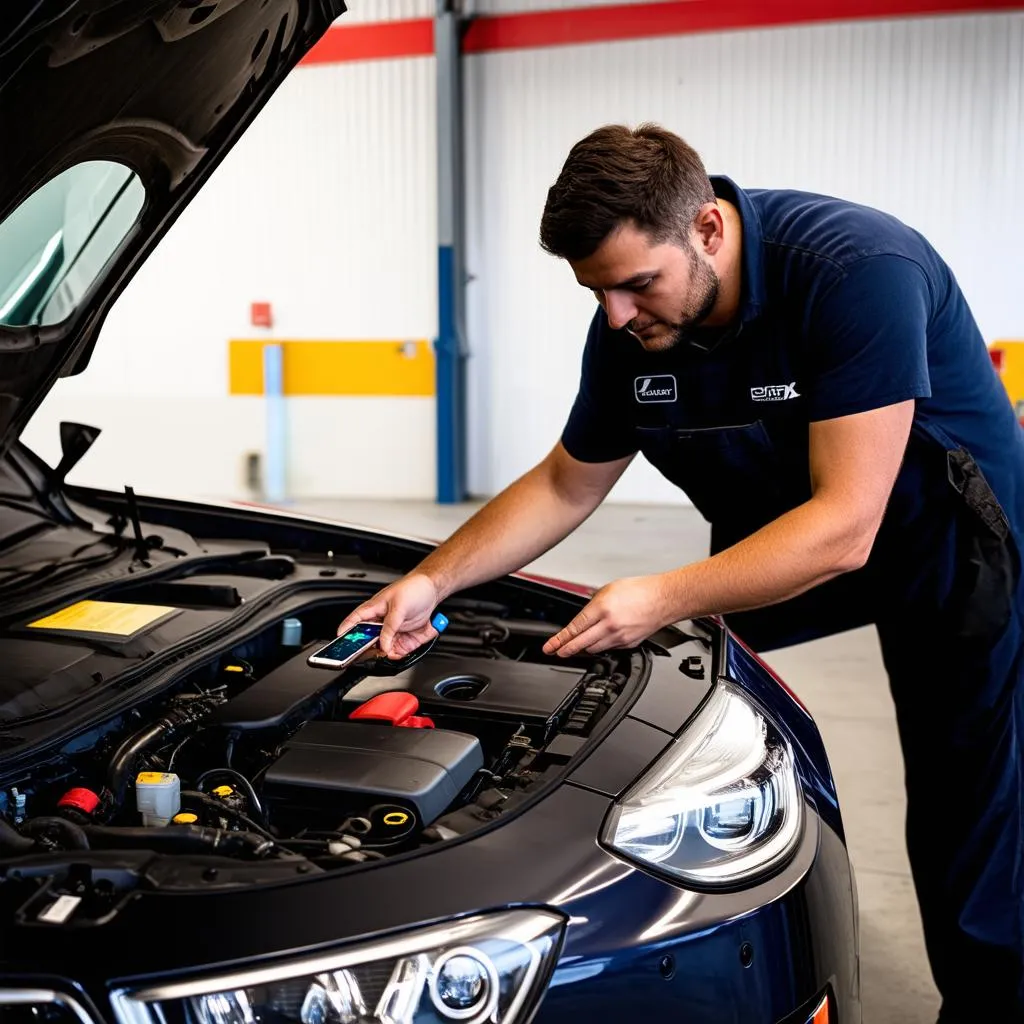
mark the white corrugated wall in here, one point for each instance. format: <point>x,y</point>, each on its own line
<point>921,117</point>
<point>327,209</point>
<point>386,10</point>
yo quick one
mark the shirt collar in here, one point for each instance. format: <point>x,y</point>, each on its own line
<point>753,292</point>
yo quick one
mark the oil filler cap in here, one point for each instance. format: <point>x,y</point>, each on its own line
<point>391,822</point>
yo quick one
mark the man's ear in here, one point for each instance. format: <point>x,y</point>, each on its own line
<point>709,226</point>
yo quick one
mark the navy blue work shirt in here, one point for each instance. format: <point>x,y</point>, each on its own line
<point>843,309</point>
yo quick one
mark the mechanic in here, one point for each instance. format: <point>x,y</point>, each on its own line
<point>808,372</point>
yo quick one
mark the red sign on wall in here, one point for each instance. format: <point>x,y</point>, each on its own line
<point>261,315</point>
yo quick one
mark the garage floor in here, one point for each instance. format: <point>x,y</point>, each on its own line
<point>840,679</point>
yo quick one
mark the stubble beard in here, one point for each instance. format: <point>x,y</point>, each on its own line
<point>704,288</point>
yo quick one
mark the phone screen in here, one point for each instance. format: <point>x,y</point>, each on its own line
<point>350,643</point>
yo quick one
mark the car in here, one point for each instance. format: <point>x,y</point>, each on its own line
<point>197,824</point>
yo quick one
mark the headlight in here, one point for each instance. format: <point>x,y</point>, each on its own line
<point>721,806</point>
<point>486,968</point>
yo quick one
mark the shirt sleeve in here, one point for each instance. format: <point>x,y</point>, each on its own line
<point>869,339</point>
<point>598,428</point>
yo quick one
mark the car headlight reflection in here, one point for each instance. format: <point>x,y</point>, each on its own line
<point>487,968</point>
<point>721,806</point>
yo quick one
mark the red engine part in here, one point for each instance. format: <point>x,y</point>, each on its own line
<point>84,800</point>
<point>395,708</point>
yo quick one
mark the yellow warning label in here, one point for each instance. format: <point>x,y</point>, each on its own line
<point>1008,358</point>
<point>152,778</point>
<point>110,617</point>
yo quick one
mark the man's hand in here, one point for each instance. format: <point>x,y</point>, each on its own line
<point>620,614</point>
<point>405,608</point>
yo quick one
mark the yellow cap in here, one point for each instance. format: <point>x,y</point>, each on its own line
<point>185,818</point>
<point>233,668</point>
<point>152,778</point>
<point>223,791</point>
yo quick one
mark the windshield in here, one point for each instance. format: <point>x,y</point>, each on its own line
<point>54,246</point>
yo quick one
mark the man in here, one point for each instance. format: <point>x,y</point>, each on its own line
<point>809,373</point>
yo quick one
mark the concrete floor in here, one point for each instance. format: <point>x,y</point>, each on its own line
<point>840,679</point>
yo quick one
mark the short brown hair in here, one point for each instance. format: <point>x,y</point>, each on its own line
<point>646,175</point>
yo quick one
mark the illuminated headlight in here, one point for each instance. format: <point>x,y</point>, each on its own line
<point>721,806</point>
<point>486,968</point>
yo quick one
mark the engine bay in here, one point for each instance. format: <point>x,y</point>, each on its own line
<point>246,751</point>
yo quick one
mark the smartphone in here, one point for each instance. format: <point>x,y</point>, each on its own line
<point>344,649</point>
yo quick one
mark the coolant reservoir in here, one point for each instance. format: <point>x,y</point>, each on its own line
<point>157,797</point>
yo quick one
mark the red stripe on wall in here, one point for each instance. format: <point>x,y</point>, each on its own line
<point>414,37</point>
<point>374,41</point>
<point>636,21</point>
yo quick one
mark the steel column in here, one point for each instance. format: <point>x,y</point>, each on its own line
<point>450,347</point>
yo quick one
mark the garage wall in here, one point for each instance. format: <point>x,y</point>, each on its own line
<point>921,117</point>
<point>327,209</point>
<point>369,11</point>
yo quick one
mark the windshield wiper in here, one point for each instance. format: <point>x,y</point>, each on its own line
<point>18,577</point>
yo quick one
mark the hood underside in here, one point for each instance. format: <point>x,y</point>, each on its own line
<point>159,90</point>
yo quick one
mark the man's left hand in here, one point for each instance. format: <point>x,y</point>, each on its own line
<point>620,614</point>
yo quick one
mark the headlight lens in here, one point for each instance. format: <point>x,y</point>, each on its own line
<point>486,968</point>
<point>721,806</point>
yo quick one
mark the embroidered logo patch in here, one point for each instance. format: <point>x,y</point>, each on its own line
<point>774,393</point>
<point>661,388</point>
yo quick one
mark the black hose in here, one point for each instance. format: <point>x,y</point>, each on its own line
<point>179,839</point>
<point>244,784</point>
<point>12,841</point>
<point>229,749</point>
<point>122,764</point>
<point>74,836</point>
<point>220,808</point>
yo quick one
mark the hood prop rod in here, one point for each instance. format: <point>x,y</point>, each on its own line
<point>141,548</point>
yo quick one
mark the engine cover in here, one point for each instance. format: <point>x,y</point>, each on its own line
<point>335,769</point>
<point>510,690</point>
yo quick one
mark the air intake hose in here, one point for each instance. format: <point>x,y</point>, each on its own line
<point>158,733</point>
<point>12,841</point>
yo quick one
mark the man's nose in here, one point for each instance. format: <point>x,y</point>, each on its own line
<point>620,309</point>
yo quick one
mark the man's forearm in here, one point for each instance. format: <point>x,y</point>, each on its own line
<point>528,518</point>
<point>802,549</point>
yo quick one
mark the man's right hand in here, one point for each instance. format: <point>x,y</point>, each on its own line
<point>405,607</point>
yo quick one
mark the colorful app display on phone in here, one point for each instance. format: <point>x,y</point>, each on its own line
<point>349,644</point>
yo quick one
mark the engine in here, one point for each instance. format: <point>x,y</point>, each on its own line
<point>257,755</point>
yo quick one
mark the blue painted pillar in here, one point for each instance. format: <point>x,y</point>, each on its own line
<point>450,347</point>
<point>275,468</point>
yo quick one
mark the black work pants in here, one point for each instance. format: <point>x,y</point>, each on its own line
<point>948,601</point>
<point>952,636</point>
<point>960,714</point>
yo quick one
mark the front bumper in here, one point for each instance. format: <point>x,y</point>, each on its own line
<point>661,954</point>
<point>636,947</point>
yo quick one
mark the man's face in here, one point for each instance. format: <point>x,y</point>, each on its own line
<point>660,292</point>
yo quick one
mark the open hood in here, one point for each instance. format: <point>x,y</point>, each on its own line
<point>113,113</point>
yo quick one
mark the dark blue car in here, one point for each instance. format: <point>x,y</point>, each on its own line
<point>198,825</point>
